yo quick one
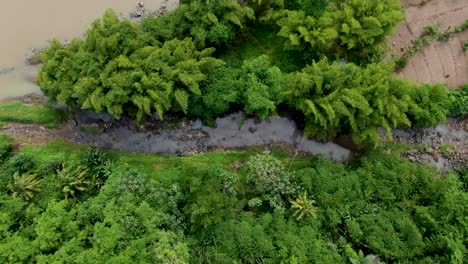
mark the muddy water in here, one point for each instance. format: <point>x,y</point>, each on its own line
<point>29,24</point>
<point>184,136</point>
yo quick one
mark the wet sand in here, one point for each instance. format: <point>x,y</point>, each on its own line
<point>29,24</point>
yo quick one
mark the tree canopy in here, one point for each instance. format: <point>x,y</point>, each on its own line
<point>202,210</point>
<point>181,63</point>
<point>338,97</point>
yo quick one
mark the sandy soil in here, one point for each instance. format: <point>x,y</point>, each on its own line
<point>439,62</point>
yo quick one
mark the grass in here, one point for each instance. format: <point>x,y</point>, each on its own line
<point>92,130</point>
<point>447,149</point>
<point>399,148</point>
<point>164,165</point>
<point>22,113</point>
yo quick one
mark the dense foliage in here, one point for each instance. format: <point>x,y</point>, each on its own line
<point>337,98</point>
<point>313,59</point>
<point>89,208</point>
<point>205,21</point>
<point>352,29</point>
<point>171,64</point>
<point>6,147</point>
<point>255,88</point>
<point>459,101</point>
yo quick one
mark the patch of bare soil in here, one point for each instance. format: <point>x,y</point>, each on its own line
<point>439,62</point>
<point>37,134</point>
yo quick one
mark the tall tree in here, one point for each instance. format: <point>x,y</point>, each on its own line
<point>116,70</point>
<point>340,98</point>
<point>207,22</point>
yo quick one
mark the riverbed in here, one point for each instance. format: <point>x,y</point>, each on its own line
<point>26,25</point>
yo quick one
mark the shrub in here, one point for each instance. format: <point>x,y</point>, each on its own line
<point>268,181</point>
<point>50,167</point>
<point>72,180</point>
<point>431,104</point>
<point>458,101</point>
<point>25,186</point>
<point>400,63</point>
<point>6,147</point>
<point>22,163</point>
<point>95,160</point>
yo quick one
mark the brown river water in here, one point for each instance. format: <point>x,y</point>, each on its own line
<point>29,24</point>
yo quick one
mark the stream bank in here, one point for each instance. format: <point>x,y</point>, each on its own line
<point>184,136</point>
<point>444,146</point>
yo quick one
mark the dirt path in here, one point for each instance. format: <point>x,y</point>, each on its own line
<point>439,62</point>
<point>37,134</point>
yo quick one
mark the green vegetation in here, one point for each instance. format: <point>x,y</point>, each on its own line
<point>459,101</point>
<point>447,149</point>
<point>206,22</point>
<point>207,59</point>
<point>6,147</point>
<point>201,209</point>
<point>41,114</point>
<point>430,33</point>
<point>354,30</point>
<point>318,60</point>
<point>92,130</point>
<point>335,97</point>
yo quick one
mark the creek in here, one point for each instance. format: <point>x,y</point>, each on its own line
<point>183,136</point>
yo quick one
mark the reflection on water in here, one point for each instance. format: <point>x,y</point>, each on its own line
<point>29,24</point>
<point>184,136</point>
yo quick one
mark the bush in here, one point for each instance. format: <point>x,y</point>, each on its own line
<point>256,88</point>
<point>400,63</point>
<point>458,101</point>
<point>6,147</point>
<point>95,159</point>
<point>25,186</point>
<point>268,181</point>
<point>22,163</point>
<point>50,167</point>
<point>431,105</point>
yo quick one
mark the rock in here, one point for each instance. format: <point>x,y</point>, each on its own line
<point>237,164</point>
<point>252,129</point>
<point>267,150</point>
<point>7,70</point>
<point>139,12</point>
